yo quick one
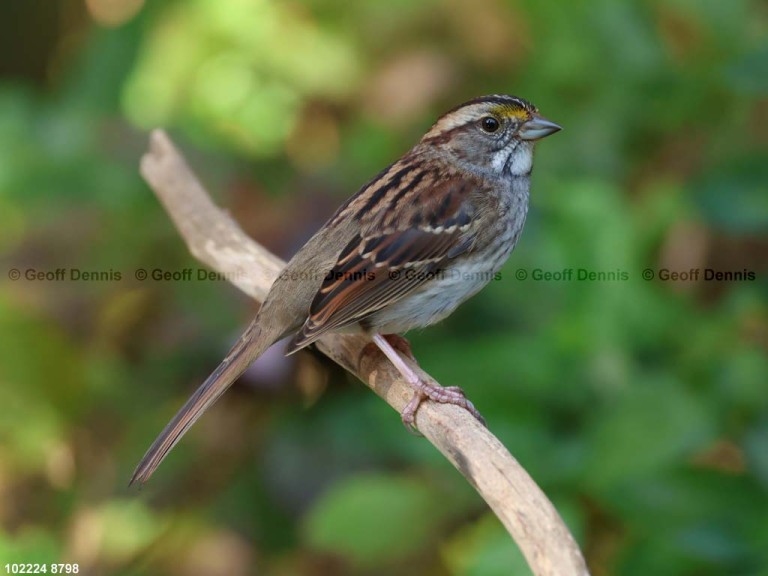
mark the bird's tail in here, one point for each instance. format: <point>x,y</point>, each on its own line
<point>251,345</point>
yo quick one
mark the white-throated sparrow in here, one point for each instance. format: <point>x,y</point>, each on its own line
<point>420,238</point>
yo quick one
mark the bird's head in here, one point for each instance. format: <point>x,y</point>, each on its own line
<point>492,133</point>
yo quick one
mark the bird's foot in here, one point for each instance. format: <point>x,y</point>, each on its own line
<point>423,390</point>
<point>442,394</point>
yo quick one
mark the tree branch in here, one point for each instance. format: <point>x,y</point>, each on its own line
<point>216,240</point>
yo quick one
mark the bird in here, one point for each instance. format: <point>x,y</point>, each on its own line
<point>424,235</point>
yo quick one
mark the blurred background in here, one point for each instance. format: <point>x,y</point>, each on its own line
<point>637,401</point>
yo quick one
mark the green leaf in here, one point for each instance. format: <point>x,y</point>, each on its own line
<point>127,527</point>
<point>644,429</point>
<point>372,519</point>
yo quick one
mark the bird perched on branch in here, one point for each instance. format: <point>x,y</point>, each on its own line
<point>424,235</point>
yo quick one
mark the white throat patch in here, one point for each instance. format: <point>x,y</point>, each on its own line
<point>515,162</point>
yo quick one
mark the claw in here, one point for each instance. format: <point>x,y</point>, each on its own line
<point>408,414</point>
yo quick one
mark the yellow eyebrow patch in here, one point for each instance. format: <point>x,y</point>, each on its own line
<point>510,111</point>
<point>503,107</point>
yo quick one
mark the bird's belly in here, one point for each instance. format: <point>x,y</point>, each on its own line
<point>438,297</point>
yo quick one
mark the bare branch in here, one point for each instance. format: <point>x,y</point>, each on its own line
<point>215,239</point>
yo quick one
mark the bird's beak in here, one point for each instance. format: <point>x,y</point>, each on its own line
<point>537,127</point>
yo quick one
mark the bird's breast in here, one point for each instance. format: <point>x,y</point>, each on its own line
<point>445,289</point>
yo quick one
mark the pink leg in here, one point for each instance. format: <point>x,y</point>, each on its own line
<point>422,390</point>
<point>401,345</point>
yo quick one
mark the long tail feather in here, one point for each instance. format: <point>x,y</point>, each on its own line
<point>251,345</point>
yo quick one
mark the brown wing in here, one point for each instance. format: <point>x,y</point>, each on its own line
<point>382,264</point>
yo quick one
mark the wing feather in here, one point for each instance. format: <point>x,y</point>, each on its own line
<point>381,264</point>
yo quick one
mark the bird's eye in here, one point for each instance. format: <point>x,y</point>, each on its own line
<point>489,124</point>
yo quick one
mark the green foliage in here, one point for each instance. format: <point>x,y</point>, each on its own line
<point>238,69</point>
<point>484,549</point>
<point>374,520</point>
<point>639,405</point>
